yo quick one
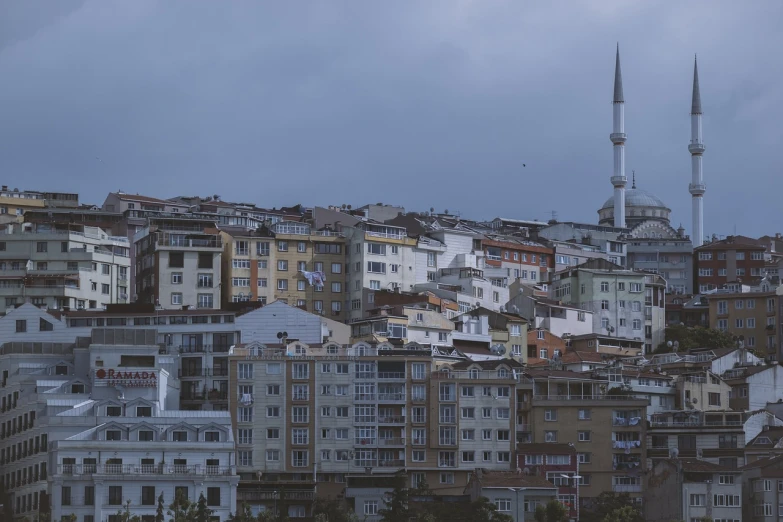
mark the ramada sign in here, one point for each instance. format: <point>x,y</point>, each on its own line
<point>127,378</point>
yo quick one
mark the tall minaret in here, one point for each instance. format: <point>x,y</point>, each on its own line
<point>618,139</point>
<point>696,148</point>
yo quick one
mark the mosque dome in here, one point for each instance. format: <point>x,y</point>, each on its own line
<point>640,206</point>
<point>635,197</point>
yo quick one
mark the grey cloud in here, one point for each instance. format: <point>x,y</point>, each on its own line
<point>418,103</point>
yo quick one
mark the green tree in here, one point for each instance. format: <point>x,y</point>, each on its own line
<point>202,511</point>
<point>482,510</point>
<point>332,510</point>
<point>159,516</point>
<point>554,511</point>
<point>69,518</point>
<point>243,514</point>
<point>397,508</point>
<point>606,504</point>
<point>180,508</point>
<point>695,337</point>
<point>622,514</point>
<point>125,515</point>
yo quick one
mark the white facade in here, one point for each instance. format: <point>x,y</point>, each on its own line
<point>618,138</point>
<point>57,269</point>
<point>263,324</point>
<point>696,147</point>
<point>428,327</point>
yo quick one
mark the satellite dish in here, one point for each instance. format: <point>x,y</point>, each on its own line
<point>515,308</point>
<point>498,349</point>
<point>279,335</point>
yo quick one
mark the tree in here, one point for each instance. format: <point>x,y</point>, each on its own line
<point>125,515</point>
<point>482,510</point>
<point>159,517</point>
<point>179,508</point>
<point>243,514</point>
<point>606,504</point>
<point>554,511</point>
<point>332,510</point>
<point>397,508</point>
<point>202,511</point>
<point>622,514</point>
<point>695,337</point>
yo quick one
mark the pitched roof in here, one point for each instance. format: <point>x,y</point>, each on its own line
<point>702,466</point>
<point>144,199</point>
<point>505,479</point>
<point>762,463</point>
<point>773,433</point>
<point>732,241</point>
<point>491,364</point>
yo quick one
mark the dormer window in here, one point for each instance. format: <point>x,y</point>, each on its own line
<point>144,411</point>
<point>145,435</point>
<point>502,373</point>
<point>331,350</point>
<point>77,388</point>
<point>212,436</point>
<point>113,411</point>
<point>179,436</point>
<point>763,440</point>
<point>61,369</point>
<point>113,435</point>
<point>474,373</point>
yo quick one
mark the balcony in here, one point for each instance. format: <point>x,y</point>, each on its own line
<point>249,496</point>
<point>135,469</point>
<point>365,463</point>
<point>448,441</point>
<point>204,348</point>
<point>300,397</point>
<point>393,441</point>
<point>391,397</point>
<point>627,488</point>
<point>366,441</point>
<point>195,243</point>
<point>364,397</point>
<point>418,399</point>
<point>364,419</point>
<point>448,420</point>
<point>366,375</point>
<point>391,376</point>
<point>391,419</point>
<point>194,372</point>
<point>391,463</point>
<point>201,397</point>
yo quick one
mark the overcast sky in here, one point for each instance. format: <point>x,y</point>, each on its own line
<point>423,104</point>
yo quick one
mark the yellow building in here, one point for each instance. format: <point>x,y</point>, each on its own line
<point>272,264</point>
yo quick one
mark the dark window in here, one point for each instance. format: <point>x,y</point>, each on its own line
<point>212,436</point>
<point>113,411</point>
<point>113,435</point>
<point>144,411</point>
<point>205,260</point>
<point>116,321</point>
<point>64,246</point>
<point>148,495</point>
<point>141,321</point>
<point>176,260</point>
<point>66,496</point>
<point>61,369</point>
<point>115,495</point>
<point>727,441</point>
<point>180,492</point>
<point>89,495</point>
<point>21,325</point>
<point>45,326</point>
<point>728,462</point>
<point>145,435</point>
<point>213,496</point>
<point>42,246</point>
<point>686,442</point>
<point>179,436</point>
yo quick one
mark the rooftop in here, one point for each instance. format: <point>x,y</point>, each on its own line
<point>512,479</point>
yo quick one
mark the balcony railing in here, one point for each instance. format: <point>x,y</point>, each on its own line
<point>144,469</point>
<point>419,398</point>
<point>366,375</point>
<point>366,441</point>
<point>209,396</point>
<point>391,419</point>
<point>274,495</point>
<point>391,375</point>
<point>364,397</point>
<point>391,463</point>
<point>393,441</point>
<point>364,419</point>
<point>596,397</point>
<point>627,488</point>
<point>400,396</point>
<point>204,348</point>
<point>190,243</point>
<point>365,463</point>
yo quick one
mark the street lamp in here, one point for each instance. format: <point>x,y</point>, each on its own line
<point>576,479</point>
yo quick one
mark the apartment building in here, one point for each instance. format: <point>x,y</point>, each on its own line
<point>526,260</point>
<point>753,387</point>
<point>178,261</point>
<point>544,346</point>
<point>751,315</point>
<point>310,413</point>
<point>289,262</point>
<point>557,464</point>
<point>568,254</point>
<point>551,315</point>
<point>706,491</point>
<point>671,258</point>
<point>625,303</point>
<point>379,257</point>
<point>82,267</point>
<point>608,240</point>
<point>506,332</point>
<point>513,494</point>
<point>762,493</point>
<point>714,436</point>
<point>731,261</point>
<point>607,430</point>
<point>14,203</point>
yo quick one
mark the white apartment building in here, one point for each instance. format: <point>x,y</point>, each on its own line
<point>178,262</point>
<point>57,269</point>
<point>378,257</point>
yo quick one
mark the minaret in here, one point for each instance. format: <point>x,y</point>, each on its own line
<point>618,139</point>
<point>696,148</point>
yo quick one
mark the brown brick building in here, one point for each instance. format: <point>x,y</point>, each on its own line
<point>736,259</point>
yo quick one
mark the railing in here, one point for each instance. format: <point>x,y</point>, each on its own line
<point>364,419</point>
<point>301,396</point>
<point>391,463</point>
<point>419,398</point>
<point>275,495</point>
<point>194,372</point>
<point>391,419</point>
<point>391,375</point>
<point>393,441</point>
<point>447,398</point>
<point>448,420</point>
<point>627,488</point>
<point>364,397</point>
<point>419,441</point>
<point>327,233</point>
<point>190,243</point>
<point>479,374</point>
<point>209,396</point>
<point>447,463</point>
<point>693,422</point>
<point>391,396</point>
<point>366,441</point>
<point>419,420</point>
<point>588,397</point>
<point>387,235</point>
<point>448,442</point>
<point>366,375</point>
<point>144,469</point>
<point>366,463</point>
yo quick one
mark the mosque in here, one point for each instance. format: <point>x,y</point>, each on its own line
<point>644,214</point>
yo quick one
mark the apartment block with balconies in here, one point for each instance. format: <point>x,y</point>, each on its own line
<point>608,430</point>
<point>62,268</point>
<point>751,315</point>
<point>305,412</point>
<point>290,262</point>
<point>178,261</point>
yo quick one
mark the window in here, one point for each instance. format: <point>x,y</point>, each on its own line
<point>21,325</point>
<point>503,504</point>
<point>583,458</point>
<point>584,436</point>
<point>584,414</point>
<point>370,507</point>
<point>604,304</point>
<point>550,415</point>
<point>115,495</point>
<point>282,246</point>
<point>550,436</point>
<point>447,478</point>
<point>375,267</point>
<point>604,286</point>
<point>637,324</point>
